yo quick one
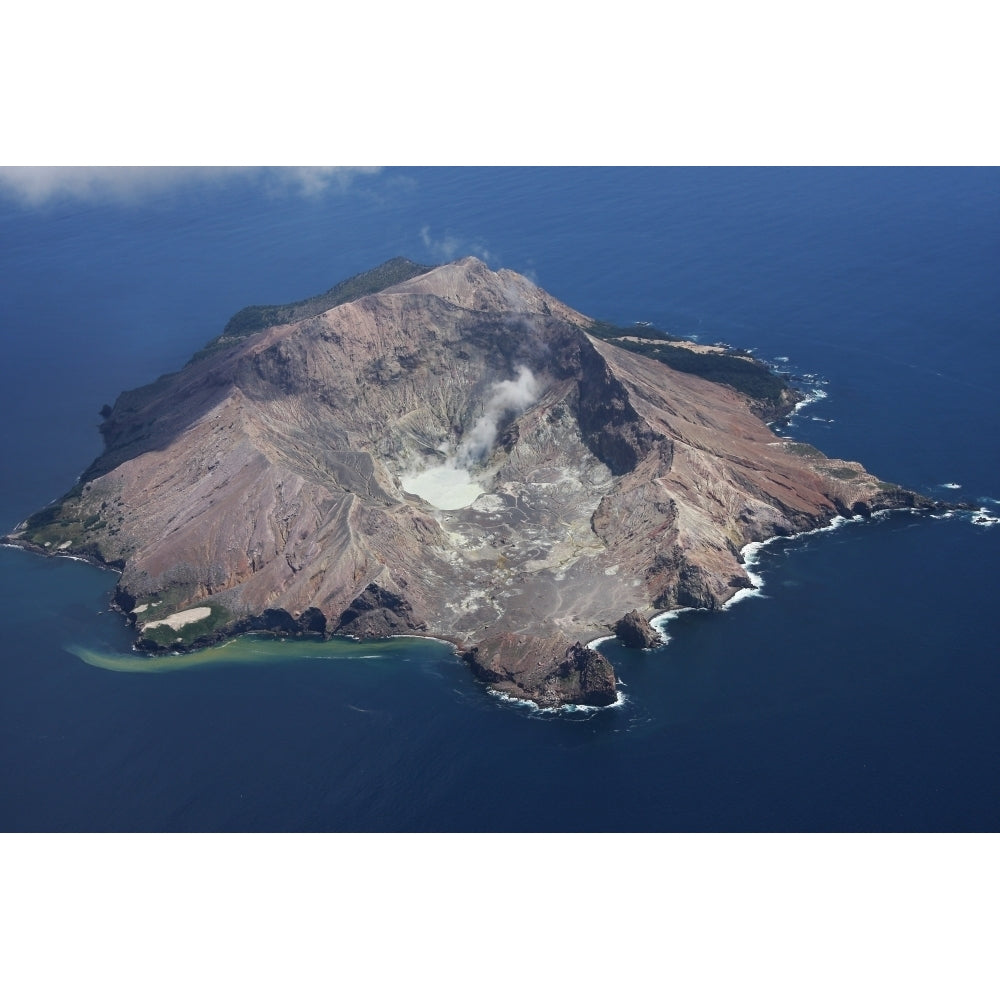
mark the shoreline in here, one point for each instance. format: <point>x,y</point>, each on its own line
<point>749,556</point>
<point>566,708</point>
<point>13,542</point>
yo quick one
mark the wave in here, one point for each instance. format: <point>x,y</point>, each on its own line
<point>814,395</point>
<point>985,518</point>
<point>594,643</point>
<point>570,709</point>
<point>659,625</point>
<point>659,622</point>
<point>750,554</point>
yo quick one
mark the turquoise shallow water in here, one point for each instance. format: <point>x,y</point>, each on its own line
<point>859,693</point>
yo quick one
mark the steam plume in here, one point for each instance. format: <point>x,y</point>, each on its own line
<point>509,396</point>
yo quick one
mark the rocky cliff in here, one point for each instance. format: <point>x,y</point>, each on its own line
<point>446,452</point>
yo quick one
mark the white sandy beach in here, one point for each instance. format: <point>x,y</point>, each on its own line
<point>179,619</point>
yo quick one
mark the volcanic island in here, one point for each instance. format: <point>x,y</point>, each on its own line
<point>446,452</point>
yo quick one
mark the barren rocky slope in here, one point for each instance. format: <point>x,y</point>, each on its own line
<point>453,455</point>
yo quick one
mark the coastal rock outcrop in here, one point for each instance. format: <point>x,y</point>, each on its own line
<point>544,671</point>
<point>634,631</point>
<point>448,452</point>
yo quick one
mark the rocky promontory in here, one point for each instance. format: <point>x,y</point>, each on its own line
<point>446,452</point>
<point>634,631</point>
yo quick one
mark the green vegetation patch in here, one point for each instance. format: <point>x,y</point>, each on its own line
<point>604,330</point>
<point>733,368</point>
<point>166,636</point>
<point>253,318</point>
<point>162,635</point>
<point>843,472</point>
<point>60,522</point>
<point>48,524</point>
<point>78,522</point>
<point>803,450</point>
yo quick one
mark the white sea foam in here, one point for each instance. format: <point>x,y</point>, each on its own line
<point>951,486</point>
<point>661,621</point>
<point>657,622</point>
<point>571,709</point>
<point>750,554</point>
<point>585,709</point>
<point>88,562</point>
<point>985,518</point>
<point>742,595</point>
<point>812,396</point>
<point>511,700</point>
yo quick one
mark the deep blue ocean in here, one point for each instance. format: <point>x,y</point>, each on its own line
<point>859,692</point>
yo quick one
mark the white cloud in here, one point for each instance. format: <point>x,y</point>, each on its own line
<point>312,181</point>
<point>38,185</point>
<point>445,248</point>
<point>450,247</point>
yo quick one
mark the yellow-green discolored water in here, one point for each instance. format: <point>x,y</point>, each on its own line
<point>258,649</point>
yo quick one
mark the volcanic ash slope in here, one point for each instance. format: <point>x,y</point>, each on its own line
<point>454,455</point>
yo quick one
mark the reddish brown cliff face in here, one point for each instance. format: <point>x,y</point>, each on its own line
<point>454,456</point>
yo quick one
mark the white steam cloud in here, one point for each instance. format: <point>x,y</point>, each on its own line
<point>450,485</point>
<point>511,396</point>
<point>450,247</point>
